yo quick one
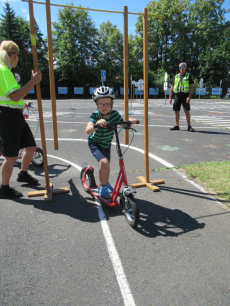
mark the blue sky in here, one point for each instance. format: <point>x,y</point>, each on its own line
<point>134,6</point>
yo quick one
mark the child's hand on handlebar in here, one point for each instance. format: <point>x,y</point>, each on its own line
<point>102,123</point>
<point>133,120</point>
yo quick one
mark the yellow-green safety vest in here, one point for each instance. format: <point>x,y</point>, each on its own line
<point>8,84</point>
<point>184,87</point>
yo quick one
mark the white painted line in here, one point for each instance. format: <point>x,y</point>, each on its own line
<point>217,122</point>
<point>163,162</point>
<point>150,125</point>
<point>213,121</point>
<point>66,122</point>
<point>210,119</point>
<point>65,139</point>
<point>206,117</point>
<point>160,160</point>
<point>66,161</point>
<point>198,186</point>
<point>113,254</point>
<point>202,117</point>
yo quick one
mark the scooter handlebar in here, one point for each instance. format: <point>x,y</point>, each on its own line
<point>116,123</point>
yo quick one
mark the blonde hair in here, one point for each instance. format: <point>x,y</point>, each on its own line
<point>7,48</point>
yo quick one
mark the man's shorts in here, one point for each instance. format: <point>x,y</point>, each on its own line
<point>178,100</point>
<point>99,152</point>
<point>15,133</point>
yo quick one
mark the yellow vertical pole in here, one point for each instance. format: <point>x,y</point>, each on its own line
<point>145,77</point>
<point>51,74</point>
<point>38,91</point>
<point>125,68</point>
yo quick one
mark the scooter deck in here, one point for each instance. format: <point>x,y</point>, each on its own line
<point>95,192</point>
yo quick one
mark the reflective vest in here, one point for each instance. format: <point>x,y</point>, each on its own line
<point>184,87</point>
<point>8,84</point>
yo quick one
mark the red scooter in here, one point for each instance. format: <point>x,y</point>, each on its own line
<point>127,202</point>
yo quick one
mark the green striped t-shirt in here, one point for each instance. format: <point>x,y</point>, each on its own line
<point>103,136</point>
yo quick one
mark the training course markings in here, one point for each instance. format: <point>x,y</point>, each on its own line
<point>114,256</point>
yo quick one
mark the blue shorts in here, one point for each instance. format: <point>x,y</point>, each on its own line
<point>99,152</point>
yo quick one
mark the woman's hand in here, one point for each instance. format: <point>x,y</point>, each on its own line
<point>37,77</point>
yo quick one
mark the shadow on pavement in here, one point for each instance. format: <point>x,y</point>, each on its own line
<point>197,194</point>
<point>156,221</point>
<point>54,170</point>
<point>72,205</point>
<point>212,133</point>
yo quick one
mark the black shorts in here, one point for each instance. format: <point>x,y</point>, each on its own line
<point>15,132</point>
<point>178,100</point>
<point>99,152</point>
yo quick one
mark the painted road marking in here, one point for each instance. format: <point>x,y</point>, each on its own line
<point>160,160</point>
<point>113,254</point>
<point>150,125</point>
<point>218,121</point>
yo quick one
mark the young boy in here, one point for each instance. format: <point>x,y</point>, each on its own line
<point>99,140</point>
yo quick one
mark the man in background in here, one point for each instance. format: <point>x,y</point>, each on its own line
<point>182,87</point>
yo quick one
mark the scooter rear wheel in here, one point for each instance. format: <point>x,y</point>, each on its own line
<point>88,179</point>
<point>130,210</point>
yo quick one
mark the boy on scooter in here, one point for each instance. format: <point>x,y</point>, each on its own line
<point>99,139</point>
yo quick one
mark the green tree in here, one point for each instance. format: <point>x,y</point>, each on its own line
<point>215,61</point>
<point>206,23</point>
<point>192,31</point>
<point>17,29</point>
<point>75,41</point>
<point>167,37</point>
<point>135,57</point>
<point>9,26</point>
<point>111,53</point>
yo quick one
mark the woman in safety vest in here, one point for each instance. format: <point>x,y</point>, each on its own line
<point>14,130</point>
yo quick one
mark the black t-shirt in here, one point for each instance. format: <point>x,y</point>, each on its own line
<point>181,79</point>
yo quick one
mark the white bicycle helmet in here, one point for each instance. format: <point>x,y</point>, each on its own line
<point>103,92</point>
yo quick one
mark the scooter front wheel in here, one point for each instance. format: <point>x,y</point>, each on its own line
<point>37,159</point>
<point>88,180</point>
<point>130,210</point>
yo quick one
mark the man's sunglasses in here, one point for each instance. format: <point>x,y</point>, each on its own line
<point>181,67</point>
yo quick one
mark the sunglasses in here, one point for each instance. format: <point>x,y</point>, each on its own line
<point>181,67</point>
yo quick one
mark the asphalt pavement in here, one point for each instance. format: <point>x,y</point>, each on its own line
<point>74,251</point>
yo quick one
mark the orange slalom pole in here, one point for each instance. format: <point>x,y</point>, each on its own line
<point>38,91</point>
<point>146,124</point>
<point>51,74</point>
<point>125,68</point>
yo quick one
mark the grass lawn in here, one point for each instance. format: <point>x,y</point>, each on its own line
<point>214,176</point>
